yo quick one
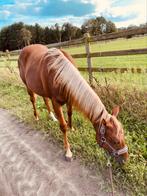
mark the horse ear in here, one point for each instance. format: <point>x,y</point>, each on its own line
<point>115,111</point>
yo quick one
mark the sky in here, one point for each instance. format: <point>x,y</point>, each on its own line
<point>48,12</point>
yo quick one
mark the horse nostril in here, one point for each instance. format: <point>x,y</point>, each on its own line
<point>121,160</point>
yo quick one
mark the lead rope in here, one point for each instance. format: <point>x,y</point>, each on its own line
<point>109,165</point>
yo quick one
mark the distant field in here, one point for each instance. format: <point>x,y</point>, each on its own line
<point>121,80</point>
<point>119,44</point>
<point>139,61</point>
<point>131,61</point>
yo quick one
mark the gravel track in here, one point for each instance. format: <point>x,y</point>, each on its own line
<point>31,165</point>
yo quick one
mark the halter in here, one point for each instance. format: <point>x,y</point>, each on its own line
<point>103,140</point>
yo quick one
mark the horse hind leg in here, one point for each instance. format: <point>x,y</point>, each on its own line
<point>69,113</point>
<point>63,126</point>
<point>51,115</point>
<point>33,97</point>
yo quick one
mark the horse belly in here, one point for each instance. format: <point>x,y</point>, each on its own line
<point>34,83</point>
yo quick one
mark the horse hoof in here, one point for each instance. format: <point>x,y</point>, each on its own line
<point>52,117</point>
<point>68,155</point>
<point>36,118</point>
<point>68,159</point>
<point>72,128</point>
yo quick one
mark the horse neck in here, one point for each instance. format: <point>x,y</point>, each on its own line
<point>76,90</point>
<point>91,105</point>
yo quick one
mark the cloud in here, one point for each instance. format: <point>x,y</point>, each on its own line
<point>47,12</point>
<point>123,13</point>
<point>137,8</point>
<point>5,14</point>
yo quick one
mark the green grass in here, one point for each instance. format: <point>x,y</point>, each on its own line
<point>139,61</point>
<point>4,62</point>
<point>128,90</point>
<point>121,80</point>
<point>131,177</point>
<point>132,61</point>
<point>119,44</point>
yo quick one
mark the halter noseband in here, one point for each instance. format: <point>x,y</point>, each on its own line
<point>103,140</point>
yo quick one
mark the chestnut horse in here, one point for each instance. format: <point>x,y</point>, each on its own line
<point>51,73</point>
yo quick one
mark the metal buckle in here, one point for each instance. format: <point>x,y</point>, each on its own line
<point>102,130</point>
<point>103,139</point>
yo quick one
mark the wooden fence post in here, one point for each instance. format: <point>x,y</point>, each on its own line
<point>7,54</point>
<point>89,61</point>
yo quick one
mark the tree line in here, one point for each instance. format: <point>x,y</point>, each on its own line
<point>18,35</point>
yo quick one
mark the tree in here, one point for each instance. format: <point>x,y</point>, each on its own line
<point>38,34</point>
<point>98,26</point>
<point>26,36</point>
<point>101,25</point>
<point>132,27</point>
<point>110,27</point>
<point>10,36</point>
<point>57,29</point>
<point>88,26</point>
<point>69,30</point>
<point>4,39</point>
<point>143,25</point>
<point>17,35</point>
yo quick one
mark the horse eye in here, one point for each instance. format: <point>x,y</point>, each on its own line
<point>116,142</point>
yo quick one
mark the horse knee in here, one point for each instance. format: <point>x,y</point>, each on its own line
<point>33,98</point>
<point>63,127</point>
<point>69,113</point>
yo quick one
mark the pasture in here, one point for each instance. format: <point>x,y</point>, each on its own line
<point>127,90</point>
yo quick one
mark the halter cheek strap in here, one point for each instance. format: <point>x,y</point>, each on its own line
<point>103,140</point>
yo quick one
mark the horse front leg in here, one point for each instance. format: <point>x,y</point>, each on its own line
<point>33,97</point>
<point>63,126</point>
<point>69,113</point>
<point>51,115</point>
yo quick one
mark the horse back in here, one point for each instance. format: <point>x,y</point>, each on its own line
<point>33,69</point>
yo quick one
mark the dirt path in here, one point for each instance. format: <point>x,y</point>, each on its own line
<point>30,165</point>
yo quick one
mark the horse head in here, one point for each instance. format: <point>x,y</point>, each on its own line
<point>110,136</point>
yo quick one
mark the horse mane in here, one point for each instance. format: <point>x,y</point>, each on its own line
<point>73,87</point>
<point>69,57</point>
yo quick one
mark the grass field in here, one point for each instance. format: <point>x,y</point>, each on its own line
<point>127,90</point>
<point>131,61</point>
<point>139,61</point>
<point>119,44</point>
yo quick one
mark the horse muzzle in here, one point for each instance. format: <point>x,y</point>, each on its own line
<point>122,158</point>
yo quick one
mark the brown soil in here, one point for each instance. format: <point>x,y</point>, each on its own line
<point>31,165</point>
